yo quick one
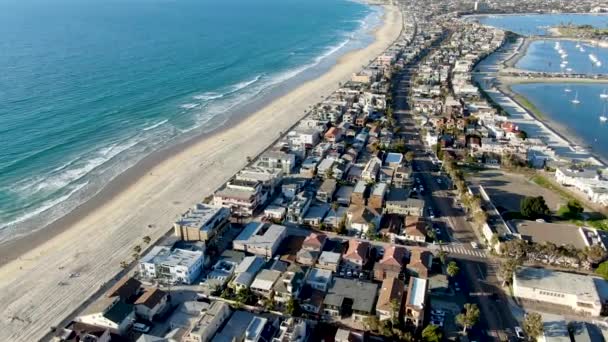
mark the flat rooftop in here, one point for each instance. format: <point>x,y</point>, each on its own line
<point>582,286</point>
<point>417,292</point>
<point>200,215</point>
<point>361,293</point>
<point>260,233</point>
<point>166,256</point>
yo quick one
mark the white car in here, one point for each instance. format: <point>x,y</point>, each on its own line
<point>519,332</point>
<point>474,244</point>
<point>140,327</point>
<point>438,181</point>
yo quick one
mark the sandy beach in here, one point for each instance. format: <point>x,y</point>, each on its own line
<point>55,270</point>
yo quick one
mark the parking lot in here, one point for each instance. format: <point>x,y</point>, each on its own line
<point>508,189</point>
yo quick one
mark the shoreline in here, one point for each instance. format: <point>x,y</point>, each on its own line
<point>95,238</point>
<point>309,71</point>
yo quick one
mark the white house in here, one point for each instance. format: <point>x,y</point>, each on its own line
<point>319,279</point>
<point>109,312</point>
<point>260,238</point>
<point>174,266</point>
<point>208,323</point>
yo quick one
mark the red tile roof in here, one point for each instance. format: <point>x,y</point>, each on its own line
<point>393,255</point>
<point>151,297</point>
<point>314,240</point>
<point>357,250</point>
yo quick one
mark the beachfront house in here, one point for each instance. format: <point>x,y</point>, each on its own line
<point>177,266</point>
<point>201,223</point>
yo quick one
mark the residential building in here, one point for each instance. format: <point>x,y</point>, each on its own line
<point>589,181</point>
<point>277,160</point>
<point>329,261</point>
<point>289,284</point>
<point>398,202</point>
<point>246,271</point>
<point>581,293</point>
<point>270,178</point>
<point>254,330</point>
<point>319,279</point>
<point>415,302</point>
<point>356,255</point>
<point>264,282</point>
<point>260,238</point>
<point>208,323</point>
<point>326,190</point>
<point>292,330</point>
<point>358,296</point>
<point>311,300</point>
<point>420,264</point>
<point>174,266</point>
<point>236,328</point>
<point>414,229</point>
<point>297,209</point>
<point>315,214</point>
<point>110,313</point>
<point>201,223</point>
<point>344,194</point>
<point>376,198</point>
<point>390,299</point>
<point>358,193</point>
<point>241,197</point>
<point>370,171</point>
<point>391,264</point>
<point>151,303</point>
<point>363,219</point>
<point>401,176</point>
<point>311,249</point>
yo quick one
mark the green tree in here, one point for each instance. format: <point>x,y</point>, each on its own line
<point>572,210</point>
<point>595,254</point>
<point>522,135</point>
<point>533,325</point>
<point>469,317</point>
<point>292,307</point>
<point>409,156</point>
<point>506,270</point>
<point>442,256</point>
<point>341,227</point>
<point>245,296</point>
<point>372,323</point>
<point>137,249</point>
<point>602,270</point>
<point>452,269</point>
<point>146,239</point>
<point>432,333</point>
<point>534,207</point>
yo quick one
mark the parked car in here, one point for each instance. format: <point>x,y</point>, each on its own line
<point>474,244</point>
<point>519,332</point>
<point>140,327</point>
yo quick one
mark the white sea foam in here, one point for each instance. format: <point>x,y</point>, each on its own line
<point>155,125</point>
<point>72,171</point>
<point>189,105</point>
<point>44,207</point>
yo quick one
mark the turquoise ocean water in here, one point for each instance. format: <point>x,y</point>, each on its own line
<point>88,88</point>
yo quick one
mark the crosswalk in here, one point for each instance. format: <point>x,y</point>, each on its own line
<point>455,249</point>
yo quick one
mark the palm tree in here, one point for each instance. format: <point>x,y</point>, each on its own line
<point>469,317</point>
<point>452,269</point>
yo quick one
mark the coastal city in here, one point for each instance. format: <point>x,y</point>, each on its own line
<point>422,198</point>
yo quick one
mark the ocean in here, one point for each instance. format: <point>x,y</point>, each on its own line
<point>88,89</point>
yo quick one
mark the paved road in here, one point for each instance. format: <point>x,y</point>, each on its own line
<point>477,274</point>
